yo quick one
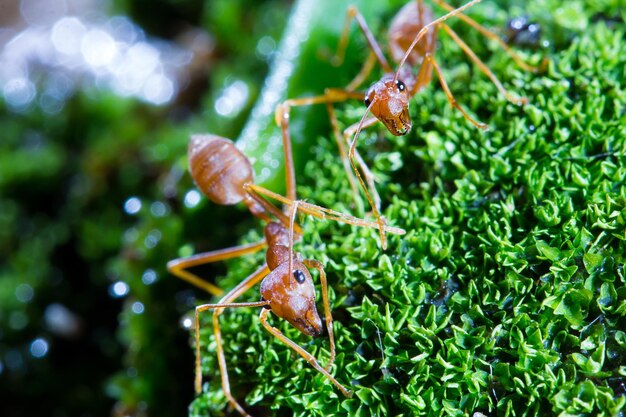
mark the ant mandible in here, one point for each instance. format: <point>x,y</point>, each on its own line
<point>411,39</point>
<point>225,176</point>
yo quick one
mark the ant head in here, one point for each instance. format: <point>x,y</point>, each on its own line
<point>388,100</point>
<point>292,296</point>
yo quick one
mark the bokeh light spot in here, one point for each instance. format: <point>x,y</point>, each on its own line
<point>192,198</point>
<point>39,348</point>
<point>149,277</point>
<point>24,293</point>
<point>132,205</point>
<point>137,307</point>
<point>118,289</point>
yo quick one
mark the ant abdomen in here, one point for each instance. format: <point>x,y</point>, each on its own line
<point>219,169</point>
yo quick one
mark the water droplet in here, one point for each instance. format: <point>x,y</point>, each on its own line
<point>131,235</point>
<point>98,47</point>
<point>50,104</point>
<point>143,57</point>
<point>158,89</point>
<point>19,92</point>
<point>153,238</point>
<point>137,307</point>
<point>232,100</point>
<point>124,29</point>
<point>132,205</point>
<point>149,277</point>
<point>186,322</point>
<point>39,348</point>
<point>60,320</point>
<point>192,198</point>
<point>24,293</point>
<point>158,209</point>
<point>118,289</point>
<point>266,46</point>
<point>67,35</point>
<point>265,174</point>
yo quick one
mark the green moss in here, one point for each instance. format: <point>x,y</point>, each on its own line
<point>507,295</point>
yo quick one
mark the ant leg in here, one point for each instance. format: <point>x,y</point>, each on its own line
<point>331,95</point>
<point>424,75</point>
<point>322,212</point>
<point>490,35</point>
<point>367,173</point>
<point>282,118</point>
<point>312,263</point>
<point>225,302</point>
<point>481,65</point>
<point>379,219</point>
<point>453,102</point>
<point>364,72</point>
<point>342,150</point>
<point>178,267</point>
<point>306,355</point>
<point>252,191</point>
<point>372,196</point>
<point>353,13</point>
<point>431,26</point>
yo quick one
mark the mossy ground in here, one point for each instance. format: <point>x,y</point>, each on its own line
<point>507,296</point>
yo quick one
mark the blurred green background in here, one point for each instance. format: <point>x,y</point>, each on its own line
<point>89,177</point>
<point>94,192</point>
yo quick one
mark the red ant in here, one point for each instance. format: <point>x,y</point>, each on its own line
<point>412,39</point>
<point>225,176</point>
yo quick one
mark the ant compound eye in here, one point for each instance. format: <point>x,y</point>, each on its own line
<point>400,85</point>
<point>299,276</point>
<point>367,102</point>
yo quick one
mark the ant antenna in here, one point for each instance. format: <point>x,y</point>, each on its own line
<point>379,218</point>
<point>292,216</point>
<point>426,28</point>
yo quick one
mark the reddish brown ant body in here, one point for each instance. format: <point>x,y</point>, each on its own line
<point>225,176</point>
<point>412,39</point>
